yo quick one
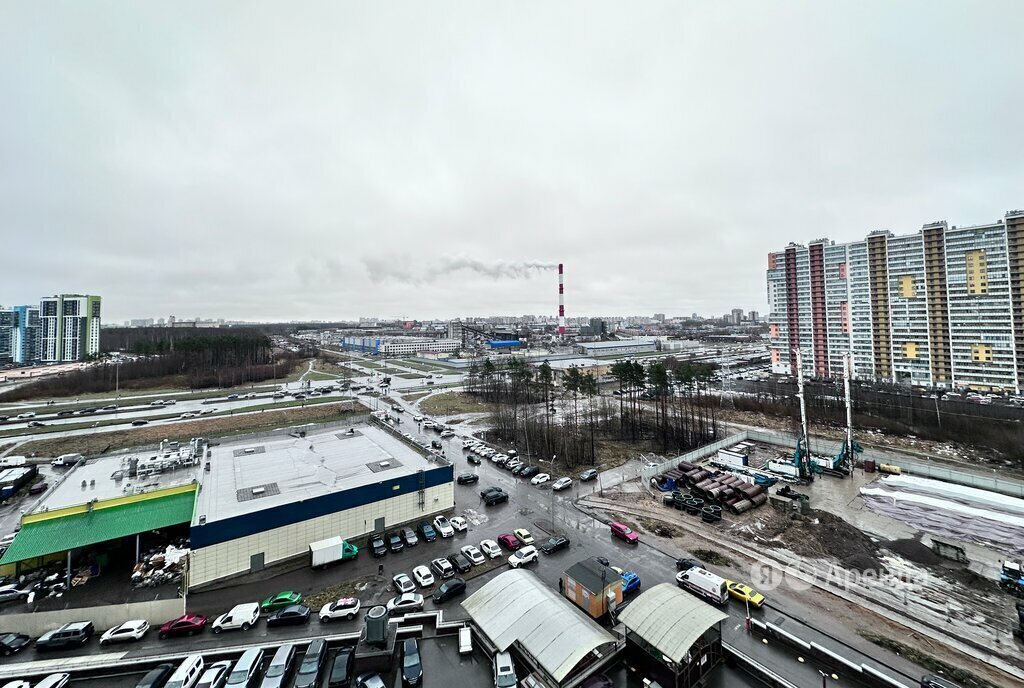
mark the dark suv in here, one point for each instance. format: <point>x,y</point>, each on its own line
<point>395,542</point>
<point>377,545</point>
<point>73,634</point>
<point>495,497</point>
<point>308,674</point>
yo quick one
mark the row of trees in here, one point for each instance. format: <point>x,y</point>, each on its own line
<point>196,361</point>
<point>663,407</point>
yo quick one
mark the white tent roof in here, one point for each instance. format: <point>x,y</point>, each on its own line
<point>670,619</point>
<point>517,606</point>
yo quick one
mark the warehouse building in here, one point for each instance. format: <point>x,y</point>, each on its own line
<point>400,346</point>
<point>618,347</point>
<point>243,505</point>
<point>263,502</point>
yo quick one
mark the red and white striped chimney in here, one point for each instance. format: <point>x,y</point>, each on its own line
<point>561,302</point>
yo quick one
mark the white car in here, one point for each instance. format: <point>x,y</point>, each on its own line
<point>407,602</point>
<point>473,554</point>
<point>418,419</point>
<point>26,415</point>
<point>443,527</point>
<point>540,479</point>
<point>442,567</point>
<point>523,556</point>
<point>423,577</point>
<point>491,549</point>
<point>458,524</point>
<point>344,608</point>
<point>241,617</point>
<point>129,631</point>
<point>561,484</point>
<point>207,411</point>
<point>403,583</point>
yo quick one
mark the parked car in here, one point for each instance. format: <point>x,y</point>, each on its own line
<point>412,665</point>
<point>407,602</point>
<point>344,608</point>
<point>540,479</point>
<point>127,632</point>
<point>473,459</point>
<point>509,541</point>
<point>279,667</point>
<point>423,576</point>
<point>473,554</point>
<point>246,669</point>
<point>241,617</point>
<point>427,531</point>
<point>403,583</point>
<point>523,556</point>
<point>630,581</point>
<point>448,589</point>
<point>442,568</point>
<point>395,543</point>
<point>685,564</point>
<point>458,524</point>
<point>460,562</point>
<point>555,544</point>
<point>342,667</point>
<point>292,615</point>
<point>188,625</point>
<point>523,535</point>
<point>156,677</point>
<point>529,472</point>
<point>624,532</point>
<point>12,643</point>
<point>409,537</point>
<point>504,671</point>
<point>443,527</point>
<point>74,634</point>
<point>467,478</point>
<point>490,548</point>
<point>13,592</point>
<point>369,680</point>
<point>561,484</point>
<point>377,545</point>
<point>281,600</point>
<point>215,675</point>
<point>308,674</point>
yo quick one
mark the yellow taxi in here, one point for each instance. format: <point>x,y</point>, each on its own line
<point>745,593</point>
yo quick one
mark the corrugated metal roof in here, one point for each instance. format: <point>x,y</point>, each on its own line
<point>517,606</point>
<point>670,619</point>
<point>48,536</point>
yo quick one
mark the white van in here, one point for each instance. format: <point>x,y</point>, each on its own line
<point>13,461</point>
<point>504,671</point>
<point>241,616</point>
<point>703,583</point>
<point>67,460</point>
<point>186,675</point>
<point>465,640</point>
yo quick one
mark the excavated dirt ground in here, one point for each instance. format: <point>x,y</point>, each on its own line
<point>820,535</point>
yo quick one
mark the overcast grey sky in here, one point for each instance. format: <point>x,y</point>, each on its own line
<point>338,159</point>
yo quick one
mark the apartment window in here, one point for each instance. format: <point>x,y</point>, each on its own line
<point>982,353</point>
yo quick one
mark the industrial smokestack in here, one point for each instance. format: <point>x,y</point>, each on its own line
<point>561,302</point>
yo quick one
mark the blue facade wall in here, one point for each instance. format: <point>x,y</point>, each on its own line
<point>304,510</point>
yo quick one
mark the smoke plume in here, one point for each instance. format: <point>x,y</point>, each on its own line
<point>399,270</point>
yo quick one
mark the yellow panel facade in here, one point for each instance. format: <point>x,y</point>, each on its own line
<point>907,289</point>
<point>909,350</point>
<point>981,353</point>
<point>977,272</point>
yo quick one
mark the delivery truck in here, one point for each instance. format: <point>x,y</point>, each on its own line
<point>326,552</point>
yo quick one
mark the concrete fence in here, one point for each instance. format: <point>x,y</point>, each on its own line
<point>156,612</point>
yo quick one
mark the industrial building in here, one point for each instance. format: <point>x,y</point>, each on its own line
<point>243,505</point>
<point>263,502</point>
<point>943,307</point>
<point>618,347</point>
<point>400,346</point>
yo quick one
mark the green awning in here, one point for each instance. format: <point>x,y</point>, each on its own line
<point>40,538</point>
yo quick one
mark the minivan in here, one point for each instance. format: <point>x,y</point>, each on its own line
<point>504,671</point>
<point>246,669</point>
<point>156,677</point>
<point>186,675</point>
<point>279,667</point>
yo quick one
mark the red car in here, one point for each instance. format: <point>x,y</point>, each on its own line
<point>509,541</point>
<point>190,624</point>
<point>624,532</point>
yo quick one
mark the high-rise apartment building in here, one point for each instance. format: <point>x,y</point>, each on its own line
<point>19,334</point>
<point>943,307</point>
<point>69,327</point>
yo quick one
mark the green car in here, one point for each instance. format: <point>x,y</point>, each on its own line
<point>281,600</point>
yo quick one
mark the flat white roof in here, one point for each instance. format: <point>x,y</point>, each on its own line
<point>618,343</point>
<point>250,476</point>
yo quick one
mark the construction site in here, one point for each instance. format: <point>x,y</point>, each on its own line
<point>930,545</point>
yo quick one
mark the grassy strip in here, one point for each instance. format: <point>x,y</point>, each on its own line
<point>415,397</point>
<point>123,403</point>
<point>317,375</point>
<point>415,365</point>
<point>934,666</point>
<point>103,442</point>
<point>409,376</point>
<point>451,403</point>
